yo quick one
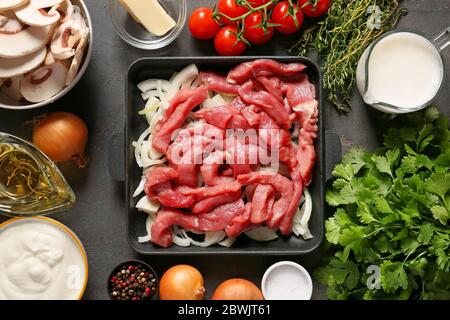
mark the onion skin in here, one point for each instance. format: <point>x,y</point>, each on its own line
<point>62,136</point>
<point>237,289</point>
<point>182,282</point>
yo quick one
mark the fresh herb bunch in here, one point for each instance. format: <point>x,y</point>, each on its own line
<point>393,212</point>
<point>341,38</point>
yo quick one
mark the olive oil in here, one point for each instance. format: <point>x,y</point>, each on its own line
<point>30,183</point>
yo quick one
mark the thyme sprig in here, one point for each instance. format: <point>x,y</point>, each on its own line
<point>340,40</point>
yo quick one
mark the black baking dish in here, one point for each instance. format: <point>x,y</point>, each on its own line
<point>163,68</point>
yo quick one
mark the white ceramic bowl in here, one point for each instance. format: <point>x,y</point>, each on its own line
<point>287,271</point>
<point>7,103</point>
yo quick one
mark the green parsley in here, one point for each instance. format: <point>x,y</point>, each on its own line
<point>392,213</point>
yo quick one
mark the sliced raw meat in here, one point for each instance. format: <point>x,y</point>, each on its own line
<point>217,83</point>
<point>163,136</point>
<point>211,203</point>
<point>286,223</point>
<point>260,201</point>
<point>211,167</point>
<point>157,175</point>
<point>180,97</point>
<point>187,174</point>
<point>299,92</point>
<point>216,220</point>
<point>240,223</point>
<point>238,122</point>
<point>281,184</point>
<point>205,192</point>
<point>267,102</point>
<point>219,116</point>
<point>168,197</point>
<point>252,114</point>
<point>272,85</point>
<point>263,68</point>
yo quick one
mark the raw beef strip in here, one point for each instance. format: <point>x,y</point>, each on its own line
<point>205,192</point>
<point>251,114</point>
<point>163,137</point>
<point>219,116</point>
<point>157,175</point>
<point>216,220</point>
<point>217,83</point>
<point>286,223</point>
<point>267,102</point>
<point>301,96</point>
<point>281,184</point>
<point>263,193</point>
<point>210,203</point>
<point>168,197</point>
<point>263,68</point>
<point>210,170</point>
<point>272,85</point>
<point>240,223</point>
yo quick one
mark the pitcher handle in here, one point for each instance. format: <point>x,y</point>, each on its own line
<point>443,39</point>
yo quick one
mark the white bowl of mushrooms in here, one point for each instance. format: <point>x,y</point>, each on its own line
<point>45,48</point>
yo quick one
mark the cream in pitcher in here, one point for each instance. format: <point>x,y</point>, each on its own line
<point>400,73</point>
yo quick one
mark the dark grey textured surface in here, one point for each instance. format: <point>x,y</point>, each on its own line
<point>99,215</point>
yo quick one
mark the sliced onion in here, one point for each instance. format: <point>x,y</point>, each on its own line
<point>140,187</point>
<point>151,106</point>
<point>262,234</point>
<point>302,217</point>
<point>148,206</point>
<point>211,238</point>
<point>152,84</point>
<point>146,159</point>
<point>138,146</point>
<point>145,239</point>
<point>215,101</point>
<point>228,242</point>
<point>155,119</point>
<point>184,75</point>
<point>148,227</point>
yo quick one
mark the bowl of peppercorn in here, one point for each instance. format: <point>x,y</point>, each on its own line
<point>133,280</point>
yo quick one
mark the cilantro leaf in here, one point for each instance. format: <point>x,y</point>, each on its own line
<point>440,213</point>
<point>393,276</point>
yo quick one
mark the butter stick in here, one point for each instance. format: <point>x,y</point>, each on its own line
<point>150,14</point>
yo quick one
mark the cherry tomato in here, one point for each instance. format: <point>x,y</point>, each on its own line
<point>255,31</point>
<point>227,44</point>
<point>231,9</point>
<point>283,15</point>
<point>202,24</point>
<point>259,3</point>
<point>314,8</point>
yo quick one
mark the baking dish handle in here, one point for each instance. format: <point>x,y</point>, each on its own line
<point>116,156</point>
<point>333,152</point>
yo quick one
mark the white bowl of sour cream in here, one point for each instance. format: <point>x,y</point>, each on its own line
<point>41,259</point>
<point>287,280</point>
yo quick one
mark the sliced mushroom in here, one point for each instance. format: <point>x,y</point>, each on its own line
<point>3,20</point>
<point>11,87</point>
<point>77,60</point>
<point>49,59</point>
<point>17,40</point>
<point>44,83</point>
<point>11,4</point>
<point>17,66</point>
<point>39,12</point>
<point>66,10</point>
<point>68,35</point>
